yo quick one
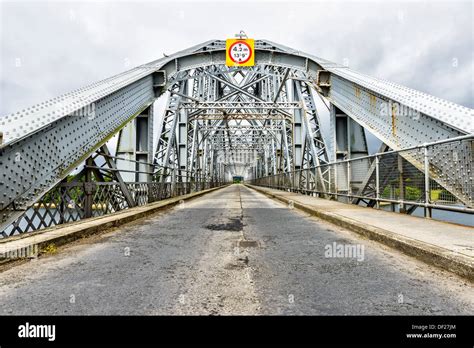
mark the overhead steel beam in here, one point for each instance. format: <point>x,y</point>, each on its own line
<point>238,105</point>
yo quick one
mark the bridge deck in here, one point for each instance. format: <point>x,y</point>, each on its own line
<point>231,251</point>
<point>455,238</point>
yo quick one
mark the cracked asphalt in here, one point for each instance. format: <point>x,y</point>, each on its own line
<point>232,251</point>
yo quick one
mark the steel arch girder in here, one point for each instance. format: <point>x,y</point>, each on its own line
<point>36,163</point>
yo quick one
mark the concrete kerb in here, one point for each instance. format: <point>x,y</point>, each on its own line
<point>430,254</point>
<point>63,234</point>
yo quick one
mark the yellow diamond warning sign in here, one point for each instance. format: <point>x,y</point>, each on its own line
<point>239,52</point>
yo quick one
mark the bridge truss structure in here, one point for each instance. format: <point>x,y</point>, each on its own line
<point>256,122</point>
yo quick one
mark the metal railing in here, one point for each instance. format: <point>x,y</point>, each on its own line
<point>80,199</point>
<point>403,179</point>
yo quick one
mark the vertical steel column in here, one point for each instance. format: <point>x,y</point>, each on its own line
<point>182,139</point>
<point>88,189</point>
<point>135,143</point>
<point>401,184</point>
<point>349,189</point>
<point>377,182</point>
<point>348,142</point>
<point>427,183</point>
<point>144,145</point>
<point>298,150</point>
<point>126,148</point>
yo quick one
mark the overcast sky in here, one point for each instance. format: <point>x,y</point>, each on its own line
<point>49,48</point>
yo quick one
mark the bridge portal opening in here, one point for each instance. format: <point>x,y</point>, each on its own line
<point>237,179</point>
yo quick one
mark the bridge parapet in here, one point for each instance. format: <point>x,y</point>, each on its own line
<point>437,175</point>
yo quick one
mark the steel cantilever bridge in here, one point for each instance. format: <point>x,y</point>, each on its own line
<point>259,122</point>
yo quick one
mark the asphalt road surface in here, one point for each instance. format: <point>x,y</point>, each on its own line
<point>233,251</point>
